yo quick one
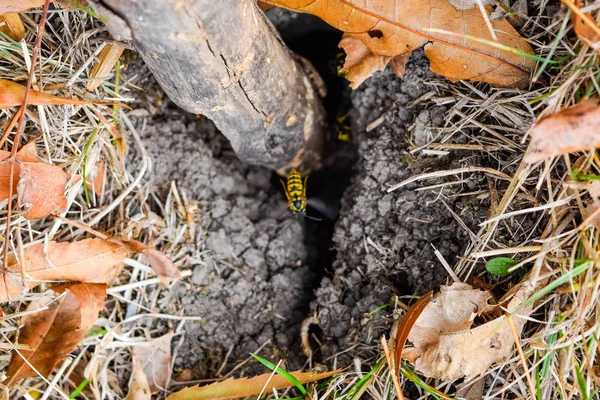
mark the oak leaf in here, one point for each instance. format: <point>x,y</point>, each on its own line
<point>41,189</point>
<point>391,28</point>
<point>566,131</point>
<point>155,357</point>
<point>245,387</point>
<point>88,260</point>
<point>444,346</point>
<point>53,333</point>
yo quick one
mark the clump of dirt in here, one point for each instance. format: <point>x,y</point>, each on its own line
<point>385,242</point>
<point>250,282</point>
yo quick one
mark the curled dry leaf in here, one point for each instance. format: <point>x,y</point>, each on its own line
<point>245,387</point>
<point>12,26</point>
<point>12,93</point>
<point>88,260</point>
<point>391,28</point>
<point>41,189</point>
<point>360,62</point>
<point>566,131</point>
<point>586,28</point>
<point>155,357</point>
<point>138,384</point>
<point>27,153</point>
<point>53,333</point>
<point>444,346</point>
<point>162,265</point>
<point>107,59</point>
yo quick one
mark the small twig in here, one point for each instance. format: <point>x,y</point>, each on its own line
<point>393,372</point>
<point>521,355</point>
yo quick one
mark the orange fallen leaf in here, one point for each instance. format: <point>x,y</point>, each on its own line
<point>162,265</point>
<point>88,260</point>
<point>245,387</point>
<point>27,153</point>
<point>12,93</point>
<point>155,357</point>
<point>566,131</point>
<point>41,189</point>
<point>17,6</point>
<point>12,26</point>
<point>391,28</point>
<point>360,62</point>
<point>53,333</point>
<point>398,64</point>
<point>138,384</point>
<point>585,27</point>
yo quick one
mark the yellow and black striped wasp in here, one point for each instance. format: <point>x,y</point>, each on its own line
<point>295,191</point>
<point>343,128</point>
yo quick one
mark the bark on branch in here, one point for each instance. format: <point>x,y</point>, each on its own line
<point>223,59</point>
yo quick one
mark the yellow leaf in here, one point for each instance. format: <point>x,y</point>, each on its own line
<point>244,387</point>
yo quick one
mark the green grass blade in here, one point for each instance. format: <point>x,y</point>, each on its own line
<point>79,388</point>
<point>281,372</point>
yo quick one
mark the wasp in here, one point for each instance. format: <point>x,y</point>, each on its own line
<point>343,128</point>
<point>295,191</point>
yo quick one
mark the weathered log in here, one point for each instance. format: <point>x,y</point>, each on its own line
<point>224,60</point>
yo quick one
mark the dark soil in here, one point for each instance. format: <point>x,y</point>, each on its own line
<point>258,272</point>
<point>384,241</point>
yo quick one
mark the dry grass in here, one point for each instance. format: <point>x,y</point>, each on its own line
<point>550,238</point>
<point>74,138</point>
<point>537,216</point>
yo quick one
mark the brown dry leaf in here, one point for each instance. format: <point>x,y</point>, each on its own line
<point>17,6</point>
<point>406,325</point>
<point>88,260</point>
<point>12,93</point>
<point>245,387</point>
<point>12,26</point>
<point>55,332</point>
<point>360,62</point>
<point>41,189</point>
<point>398,64</point>
<point>107,59</point>
<point>566,131</point>
<point>586,28</point>
<point>162,265</point>
<point>457,353</point>
<point>28,153</point>
<point>138,384</point>
<point>593,189</point>
<point>155,357</point>
<point>391,28</point>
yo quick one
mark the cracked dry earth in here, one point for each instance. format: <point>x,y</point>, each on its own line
<point>256,277</point>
